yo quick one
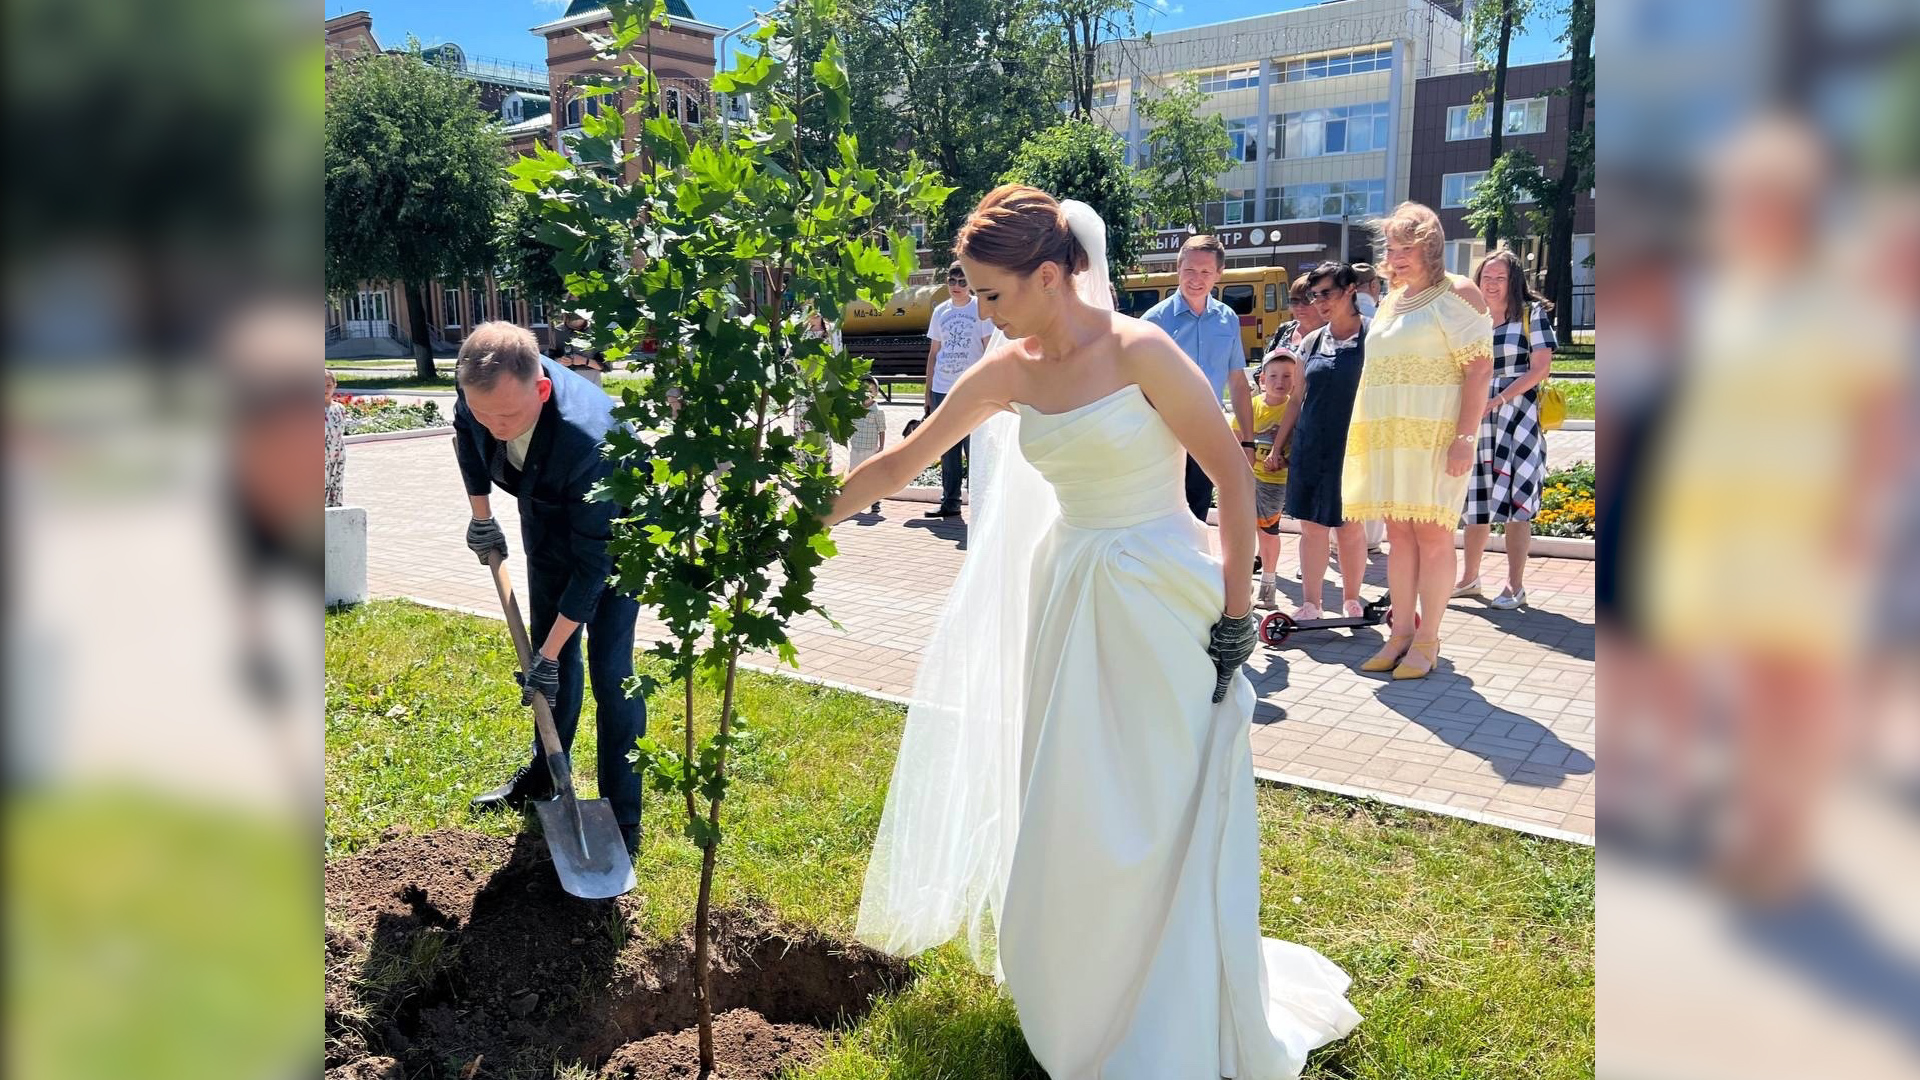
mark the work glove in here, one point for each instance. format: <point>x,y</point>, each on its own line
<point>1229,645</point>
<point>484,536</point>
<point>545,677</point>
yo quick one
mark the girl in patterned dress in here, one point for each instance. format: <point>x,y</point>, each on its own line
<point>1510,465</point>
<point>1416,419</point>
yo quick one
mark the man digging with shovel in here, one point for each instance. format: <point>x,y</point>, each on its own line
<point>534,429</point>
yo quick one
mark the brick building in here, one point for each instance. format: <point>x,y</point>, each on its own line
<point>1451,153</point>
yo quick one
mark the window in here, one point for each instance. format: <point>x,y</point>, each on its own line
<point>1135,302</point>
<point>477,305</point>
<point>450,306</point>
<point>691,103</point>
<point>1238,79</point>
<point>1106,97</point>
<point>1238,297</point>
<point>1246,139</point>
<point>1273,297</point>
<point>573,113</point>
<point>511,110</point>
<point>1236,209</point>
<point>1456,188</point>
<point>1350,129</point>
<point>673,103</point>
<point>1339,198</point>
<point>536,312</point>
<point>506,300</point>
<point>1355,62</point>
<point>1528,116</point>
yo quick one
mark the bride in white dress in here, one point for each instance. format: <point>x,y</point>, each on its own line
<point>1069,795</point>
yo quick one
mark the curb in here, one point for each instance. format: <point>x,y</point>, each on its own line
<point>1546,547</point>
<point>1478,817</point>
<point>1270,776</point>
<point>395,436</point>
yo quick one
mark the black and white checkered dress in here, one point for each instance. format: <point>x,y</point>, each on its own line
<point>1510,466</point>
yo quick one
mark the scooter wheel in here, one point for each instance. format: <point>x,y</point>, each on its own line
<point>1276,628</point>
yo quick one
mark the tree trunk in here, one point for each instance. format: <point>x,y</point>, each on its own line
<point>1560,236</point>
<point>702,926</point>
<point>417,326</point>
<point>1497,115</point>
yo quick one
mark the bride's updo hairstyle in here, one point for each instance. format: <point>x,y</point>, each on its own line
<point>1017,228</point>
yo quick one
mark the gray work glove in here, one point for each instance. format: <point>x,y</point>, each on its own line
<point>1230,644</point>
<point>545,677</point>
<point>484,536</point>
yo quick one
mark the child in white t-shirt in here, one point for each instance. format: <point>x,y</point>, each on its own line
<point>869,432</point>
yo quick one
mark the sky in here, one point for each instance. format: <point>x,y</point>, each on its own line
<point>499,28</point>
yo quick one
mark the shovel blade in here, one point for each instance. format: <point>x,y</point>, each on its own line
<point>602,869</point>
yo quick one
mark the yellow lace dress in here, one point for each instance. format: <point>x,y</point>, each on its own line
<point>1408,407</point>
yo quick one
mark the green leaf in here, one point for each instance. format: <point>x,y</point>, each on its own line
<point>831,73</point>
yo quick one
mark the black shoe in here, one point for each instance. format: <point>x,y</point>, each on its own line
<point>530,784</point>
<point>943,512</point>
<point>631,834</point>
<point>874,509</point>
<point>1256,564</point>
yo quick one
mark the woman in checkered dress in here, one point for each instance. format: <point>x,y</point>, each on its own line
<point>1510,463</point>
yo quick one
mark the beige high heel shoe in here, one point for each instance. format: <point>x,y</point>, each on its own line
<point>1428,651</point>
<point>1389,654</point>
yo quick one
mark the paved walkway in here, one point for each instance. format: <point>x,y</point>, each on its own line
<point>1502,732</point>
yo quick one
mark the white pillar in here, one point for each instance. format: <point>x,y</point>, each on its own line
<point>346,579</point>
<point>1396,190</point>
<point>1261,134</point>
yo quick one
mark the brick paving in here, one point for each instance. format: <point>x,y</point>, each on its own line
<point>1502,732</point>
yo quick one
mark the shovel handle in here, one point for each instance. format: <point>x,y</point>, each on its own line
<point>542,712</point>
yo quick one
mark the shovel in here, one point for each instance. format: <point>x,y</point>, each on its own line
<point>582,835</point>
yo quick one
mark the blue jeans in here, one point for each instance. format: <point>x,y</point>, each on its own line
<point>620,720</point>
<point>952,469</point>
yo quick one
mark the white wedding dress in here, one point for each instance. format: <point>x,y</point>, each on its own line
<point>1068,796</point>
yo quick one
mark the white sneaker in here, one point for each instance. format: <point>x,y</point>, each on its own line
<point>1307,611</point>
<point>1509,600</point>
<point>1266,596</point>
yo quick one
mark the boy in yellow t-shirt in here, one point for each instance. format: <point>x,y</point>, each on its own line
<point>1277,375</point>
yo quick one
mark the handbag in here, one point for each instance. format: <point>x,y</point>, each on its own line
<point>1550,398</point>
<point>1553,405</point>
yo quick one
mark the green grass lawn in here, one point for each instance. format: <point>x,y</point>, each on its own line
<point>1580,393</point>
<point>1471,947</point>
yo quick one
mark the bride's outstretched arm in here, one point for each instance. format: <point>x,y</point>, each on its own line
<point>981,392</point>
<point>1186,401</point>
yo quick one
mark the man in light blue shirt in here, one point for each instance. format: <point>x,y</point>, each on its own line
<point>1208,331</point>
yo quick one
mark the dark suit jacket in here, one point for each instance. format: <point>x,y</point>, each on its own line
<point>564,531</point>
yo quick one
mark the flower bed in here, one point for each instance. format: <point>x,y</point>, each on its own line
<point>1566,505</point>
<point>371,415</point>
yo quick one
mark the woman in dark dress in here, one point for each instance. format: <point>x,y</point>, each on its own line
<point>1316,421</point>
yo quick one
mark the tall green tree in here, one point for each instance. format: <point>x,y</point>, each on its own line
<point>1576,170</point>
<point>1186,154</point>
<point>721,530</point>
<point>961,82</point>
<point>413,181</point>
<point>1491,25</point>
<point>526,258</point>
<point>1082,160</point>
<point>1083,27</point>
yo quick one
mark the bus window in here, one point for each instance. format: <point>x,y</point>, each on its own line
<point>1273,297</point>
<point>1135,302</point>
<point>1239,298</point>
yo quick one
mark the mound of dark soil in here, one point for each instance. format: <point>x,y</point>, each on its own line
<point>447,949</point>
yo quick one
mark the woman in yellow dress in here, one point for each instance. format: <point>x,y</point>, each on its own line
<point>1415,422</point>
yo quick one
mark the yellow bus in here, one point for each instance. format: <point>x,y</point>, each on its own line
<point>894,335</point>
<point>1258,294</point>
